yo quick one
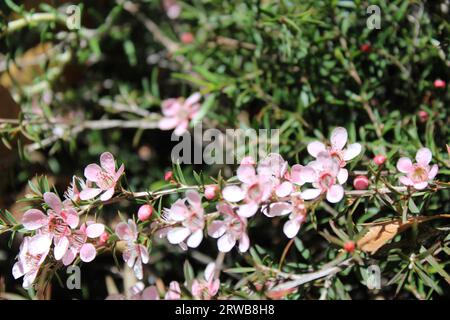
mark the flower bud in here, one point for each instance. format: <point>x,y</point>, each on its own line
<point>145,212</point>
<point>439,84</point>
<point>349,246</point>
<point>366,47</point>
<point>103,238</point>
<point>211,191</point>
<point>187,37</point>
<point>361,183</point>
<point>379,159</point>
<point>168,175</point>
<point>423,116</point>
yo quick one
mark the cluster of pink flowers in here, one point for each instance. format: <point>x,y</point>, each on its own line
<point>271,187</point>
<point>58,225</point>
<point>202,289</point>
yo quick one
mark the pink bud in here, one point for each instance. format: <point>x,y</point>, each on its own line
<point>423,116</point>
<point>211,191</point>
<point>168,175</point>
<point>103,238</point>
<point>438,83</point>
<point>361,183</point>
<point>366,47</point>
<point>349,246</point>
<point>187,37</point>
<point>379,159</point>
<point>145,212</point>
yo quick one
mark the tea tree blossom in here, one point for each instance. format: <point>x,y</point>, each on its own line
<point>187,221</point>
<point>232,229</point>
<point>177,113</point>
<point>137,292</point>
<point>135,254</point>
<point>207,288</point>
<point>419,174</point>
<point>328,178</point>
<point>78,242</point>
<point>61,217</point>
<point>33,252</point>
<point>338,139</point>
<point>105,178</point>
<point>256,188</point>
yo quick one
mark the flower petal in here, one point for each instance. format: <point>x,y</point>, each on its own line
<point>92,172</point>
<point>244,243</point>
<point>216,229</point>
<point>278,209</point>
<point>226,243</point>
<point>53,201</point>
<point>291,228</point>
<point>150,293</point>
<point>34,219</point>
<point>404,165</point>
<point>89,193</point>
<point>246,173</point>
<point>338,138</point>
<point>420,185</point>
<point>335,193</point>
<point>88,252</point>
<point>248,210</point>
<point>284,189</point>
<point>168,123</point>
<point>61,247</point>
<point>423,156</point>
<point>233,193</point>
<point>193,98</point>
<point>405,181</point>
<point>107,162</point>
<point>95,230</point>
<point>195,239</point>
<point>352,151</point>
<point>107,194</point>
<point>433,172</point>
<point>310,194</point>
<point>178,234</point>
<point>315,147</point>
<point>124,232</point>
<point>193,198</point>
<point>342,176</point>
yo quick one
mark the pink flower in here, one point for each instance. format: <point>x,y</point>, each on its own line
<point>78,243</point>
<point>207,288</point>
<point>33,252</point>
<point>105,177</point>
<point>229,230</point>
<point>174,292</point>
<point>418,174</point>
<point>255,189</point>
<point>178,112</point>
<point>296,208</point>
<point>338,140</point>
<point>328,179</point>
<point>187,222</point>
<point>135,254</point>
<point>57,223</point>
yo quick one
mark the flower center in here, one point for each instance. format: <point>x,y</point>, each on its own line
<point>419,174</point>
<point>254,192</point>
<point>326,180</point>
<point>58,226</point>
<point>337,154</point>
<point>105,180</point>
